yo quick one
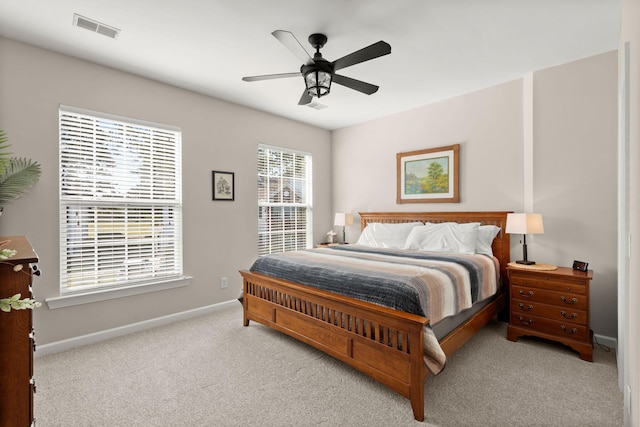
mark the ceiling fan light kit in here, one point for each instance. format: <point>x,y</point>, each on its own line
<point>318,73</point>
<point>318,81</point>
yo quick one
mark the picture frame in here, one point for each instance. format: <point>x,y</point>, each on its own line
<point>580,265</point>
<point>223,185</point>
<point>428,176</point>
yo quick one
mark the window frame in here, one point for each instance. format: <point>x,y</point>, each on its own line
<point>289,239</point>
<point>159,210</point>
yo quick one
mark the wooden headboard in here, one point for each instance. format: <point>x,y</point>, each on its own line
<point>501,244</point>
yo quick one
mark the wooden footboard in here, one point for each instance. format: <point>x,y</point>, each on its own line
<point>385,344</point>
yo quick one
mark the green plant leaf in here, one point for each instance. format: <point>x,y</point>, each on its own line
<point>7,303</point>
<point>15,303</point>
<point>4,154</point>
<point>18,177</point>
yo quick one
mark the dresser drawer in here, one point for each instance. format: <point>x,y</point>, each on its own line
<point>554,312</point>
<point>561,299</point>
<point>566,330</point>
<point>552,283</point>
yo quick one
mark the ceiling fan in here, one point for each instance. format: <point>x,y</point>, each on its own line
<point>319,73</point>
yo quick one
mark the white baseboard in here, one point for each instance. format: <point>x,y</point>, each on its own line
<point>58,346</point>
<point>610,342</point>
<point>55,347</point>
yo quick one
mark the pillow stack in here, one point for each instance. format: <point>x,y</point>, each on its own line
<point>451,237</point>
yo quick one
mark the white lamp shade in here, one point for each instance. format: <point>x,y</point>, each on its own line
<point>343,219</point>
<point>524,223</point>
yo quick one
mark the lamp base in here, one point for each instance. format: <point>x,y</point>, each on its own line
<point>525,262</point>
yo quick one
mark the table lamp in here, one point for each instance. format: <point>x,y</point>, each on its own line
<point>524,223</point>
<point>342,220</point>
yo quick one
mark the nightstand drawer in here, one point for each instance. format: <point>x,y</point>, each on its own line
<point>550,282</point>
<point>566,330</point>
<point>553,312</point>
<point>561,299</point>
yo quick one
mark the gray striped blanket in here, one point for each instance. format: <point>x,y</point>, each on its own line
<point>429,284</point>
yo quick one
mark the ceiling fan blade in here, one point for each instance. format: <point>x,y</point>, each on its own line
<point>366,53</point>
<point>354,84</point>
<point>271,77</point>
<point>291,42</point>
<point>305,98</point>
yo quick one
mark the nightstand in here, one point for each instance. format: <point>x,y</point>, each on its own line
<point>551,304</point>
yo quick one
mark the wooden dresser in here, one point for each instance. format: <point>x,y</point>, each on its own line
<point>551,304</point>
<point>16,332</point>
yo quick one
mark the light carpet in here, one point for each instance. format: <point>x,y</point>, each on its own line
<point>212,371</point>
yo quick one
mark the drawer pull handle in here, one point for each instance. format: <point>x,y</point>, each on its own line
<point>573,300</point>
<point>573,315</point>
<point>526,322</point>
<point>32,336</point>
<point>526,295</point>
<point>564,329</point>
<point>527,308</point>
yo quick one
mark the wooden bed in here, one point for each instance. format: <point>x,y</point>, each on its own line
<point>319,318</point>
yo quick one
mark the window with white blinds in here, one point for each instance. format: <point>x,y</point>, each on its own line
<point>284,200</point>
<point>120,201</point>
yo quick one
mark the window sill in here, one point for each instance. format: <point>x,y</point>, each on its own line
<point>113,293</point>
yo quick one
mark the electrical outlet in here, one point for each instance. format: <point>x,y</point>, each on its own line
<point>224,282</point>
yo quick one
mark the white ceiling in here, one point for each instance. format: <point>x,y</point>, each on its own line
<point>440,48</point>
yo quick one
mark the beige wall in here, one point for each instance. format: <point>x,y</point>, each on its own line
<point>575,153</point>
<point>219,237</point>
<point>574,109</point>
<point>488,126</point>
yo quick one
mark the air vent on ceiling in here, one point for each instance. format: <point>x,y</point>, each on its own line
<point>316,105</point>
<point>95,26</point>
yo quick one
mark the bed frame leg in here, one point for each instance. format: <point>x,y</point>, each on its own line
<point>245,319</point>
<point>243,300</point>
<point>417,401</point>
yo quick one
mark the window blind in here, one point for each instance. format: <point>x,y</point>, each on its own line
<point>284,200</point>
<point>120,201</point>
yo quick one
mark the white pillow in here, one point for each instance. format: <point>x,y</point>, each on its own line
<point>381,235</point>
<point>486,234</point>
<point>444,237</point>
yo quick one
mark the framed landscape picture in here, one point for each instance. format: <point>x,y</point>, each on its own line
<point>223,185</point>
<point>428,176</point>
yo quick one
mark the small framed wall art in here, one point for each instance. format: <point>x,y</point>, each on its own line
<point>428,176</point>
<point>223,185</point>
